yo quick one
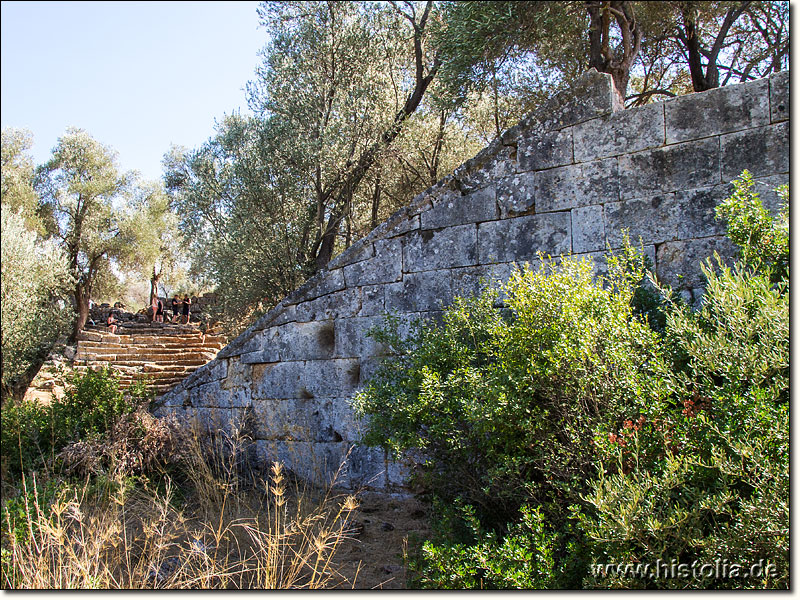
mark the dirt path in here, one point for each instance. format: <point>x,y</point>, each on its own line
<point>384,526</point>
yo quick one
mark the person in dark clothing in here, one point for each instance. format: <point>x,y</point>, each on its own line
<point>186,304</point>
<point>176,308</point>
<point>159,311</point>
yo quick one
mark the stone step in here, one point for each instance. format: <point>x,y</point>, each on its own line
<point>108,347</point>
<point>143,351</point>
<point>147,356</point>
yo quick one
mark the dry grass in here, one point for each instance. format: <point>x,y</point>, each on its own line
<point>221,528</point>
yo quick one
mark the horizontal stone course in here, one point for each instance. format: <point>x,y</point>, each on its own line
<point>579,185</point>
<point>620,132</point>
<point>762,151</point>
<point>522,238</point>
<point>440,249</point>
<point>722,110</point>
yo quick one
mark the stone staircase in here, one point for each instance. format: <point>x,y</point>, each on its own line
<point>162,354</point>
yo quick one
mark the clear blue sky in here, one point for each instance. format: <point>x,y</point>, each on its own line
<point>137,76</point>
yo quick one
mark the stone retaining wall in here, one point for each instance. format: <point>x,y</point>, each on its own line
<point>566,179</point>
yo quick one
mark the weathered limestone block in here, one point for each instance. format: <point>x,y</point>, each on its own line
<point>546,150</point>
<point>654,219</point>
<point>591,96</point>
<point>471,281</point>
<point>372,300</point>
<point>352,340</point>
<point>573,186</point>
<point>677,262</point>
<point>304,419</point>
<point>323,283</point>
<point>312,461</point>
<point>515,195</point>
<point>306,341</point>
<point>779,96</point>
<point>600,262</point>
<point>621,132</point>
<point>697,217</point>
<point>688,165</point>
<point>520,239</point>
<point>423,291</point>
<point>491,163</point>
<point>763,151</point>
<point>361,250</point>
<point>439,249</point>
<point>384,267</point>
<point>329,378</point>
<point>346,303</point>
<point>455,209</point>
<point>721,110</point>
<point>588,229</point>
<point>765,187</point>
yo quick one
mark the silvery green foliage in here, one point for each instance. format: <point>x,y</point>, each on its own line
<point>35,276</point>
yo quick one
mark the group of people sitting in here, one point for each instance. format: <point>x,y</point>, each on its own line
<point>180,312</point>
<point>180,309</point>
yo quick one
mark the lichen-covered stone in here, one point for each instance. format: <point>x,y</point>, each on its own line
<point>521,238</point>
<point>779,96</point>
<point>696,212</point>
<point>763,152</point>
<point>573,186</point>
<point>424,291</point>
<point>721,110</point>
<point>653,219</point>
<point>588,229</point>
<point>385,266</point>
<point>620,132</point>
<point>352,340</point>
<point>681,166</point>
<point>372,301</point>
<point>346,303</point>
<point>455,209</point>
<point>677,263</point>
<point>545,150</point>
<point>439,249</point>
<point>515,195</point>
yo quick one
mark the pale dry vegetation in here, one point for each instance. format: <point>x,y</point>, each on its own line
<point>214,524</point>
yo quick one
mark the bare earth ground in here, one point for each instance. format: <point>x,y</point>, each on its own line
<point>374,555</point>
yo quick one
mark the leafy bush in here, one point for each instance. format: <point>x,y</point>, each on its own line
<point>503,404</point>
<point>705,476</point>
<point>33,432</point>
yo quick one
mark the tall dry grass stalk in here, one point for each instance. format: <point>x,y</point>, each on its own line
<point>213,531</point>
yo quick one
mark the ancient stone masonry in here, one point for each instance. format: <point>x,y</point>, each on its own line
<point>567,179</point>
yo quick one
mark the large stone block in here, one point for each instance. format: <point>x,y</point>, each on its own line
<point>600,259</point>
<point>385,266</point>
<point>278,380</point>
<point>654,219</point>
<point>329,378</point>
<point>697,216</point>
<point>304,420</point>
<point>486,167</point>
<point>779,96</point>
<point>681,166</point>
<point>372,301</point>
<point>314,340</point>
<point>346,303</point>
<point>678,263</point>
<point>439,249</point>
<point>317,462</point>
<point>588,229</point>
<point>455,209</point>
<point>352,340</point>
<point>471,281</point>
<point>544,150</point>
<point>515,195</point>
<point>424,291</point>
<point>573,186</point>
<point>620,132</point>
<point>763,152</point>
<point>722,110</point>
<point>521,238</point>
<point>361,250</point>
<point>765,188</point>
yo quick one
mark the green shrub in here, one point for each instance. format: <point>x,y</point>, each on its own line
<point>503,404</point>
<point>33,432</point>
<point>705,476</point>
